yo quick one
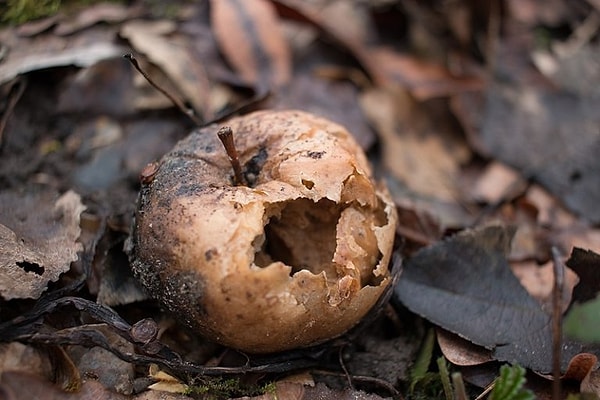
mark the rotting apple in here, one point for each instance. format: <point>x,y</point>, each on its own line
<point>296,257</point>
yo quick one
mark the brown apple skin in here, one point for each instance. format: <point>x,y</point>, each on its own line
<point>295,258</point>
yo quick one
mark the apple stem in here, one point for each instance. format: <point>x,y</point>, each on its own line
<point>226,136</point>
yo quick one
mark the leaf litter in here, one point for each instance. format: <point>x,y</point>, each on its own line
<point>38,240</point>
<point>463,135</point>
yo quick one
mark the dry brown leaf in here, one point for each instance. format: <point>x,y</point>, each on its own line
<point>413,153</point>
<point>424,80</point>
<point>580,366</point>
<point>539,282</point>
<point>569,232</point>
<point>496,182</point>
<point>250,37</point>
<point>172,55</point>
<point>38,240</point>
<point>165,382</point>
<point>460,351</point>
<point>302,12</point>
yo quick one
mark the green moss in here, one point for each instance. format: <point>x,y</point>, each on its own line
<point>19,11</point>
<point>219,388</point>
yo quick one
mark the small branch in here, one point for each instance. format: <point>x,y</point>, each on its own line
<point>557,292</point>
<point>15,93</point>
<point>226,136</point>
<point>178,103</point>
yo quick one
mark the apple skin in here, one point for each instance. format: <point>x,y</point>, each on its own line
<point>296,258</point>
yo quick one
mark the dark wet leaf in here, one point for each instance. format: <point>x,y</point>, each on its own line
<point>335,100</point>
<point>582,320</point>
<point>38,240</point>
<point>465,285</point>
<point>551,137</point>
<point>586,265</point>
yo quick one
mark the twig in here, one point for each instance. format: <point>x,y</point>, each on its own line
<point>178,103</point>
<point>343,366</point>
<point>15,93</point>
<point>25,328</point>
<point>487,389</point>
<point>559,282</point>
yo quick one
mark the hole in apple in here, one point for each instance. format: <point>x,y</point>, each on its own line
<point>308,184</point>
<point>302,235</point>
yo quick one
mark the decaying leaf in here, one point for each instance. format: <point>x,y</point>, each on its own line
<point>38,240</point>
<point>424,80</point>
<point>172,55</point>
<point>32,54</point>
<point>552,137</point>
<point>460,351</point>
<point>465,285</point>
<point>251,39</point>
<point>413,150</point>
<point>302,12</point>
<point>586,265</point>
<point>582,321</point>
<point>21,385</point>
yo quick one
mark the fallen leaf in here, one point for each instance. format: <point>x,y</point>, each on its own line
<point>580,366</point>
<point>21,385</point>
<point>335,100</point>
<point>413,150</point>
<point>104,87</point>
<point>586,265</point>
<point>172,55</point>
<point>591,383</point>
<point>36,53</point>
<point>96,13</point>
<point>424,80</point>
<point>302,12</point>
<point>165,382</point>
<point>38,240</point>
<point>533,130</point>
<point>538,280</point>
<point>460,351</point>
<point>250,37</point>
<point>581,321</point>
<point>464,284</point>
<point>497,182</point>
